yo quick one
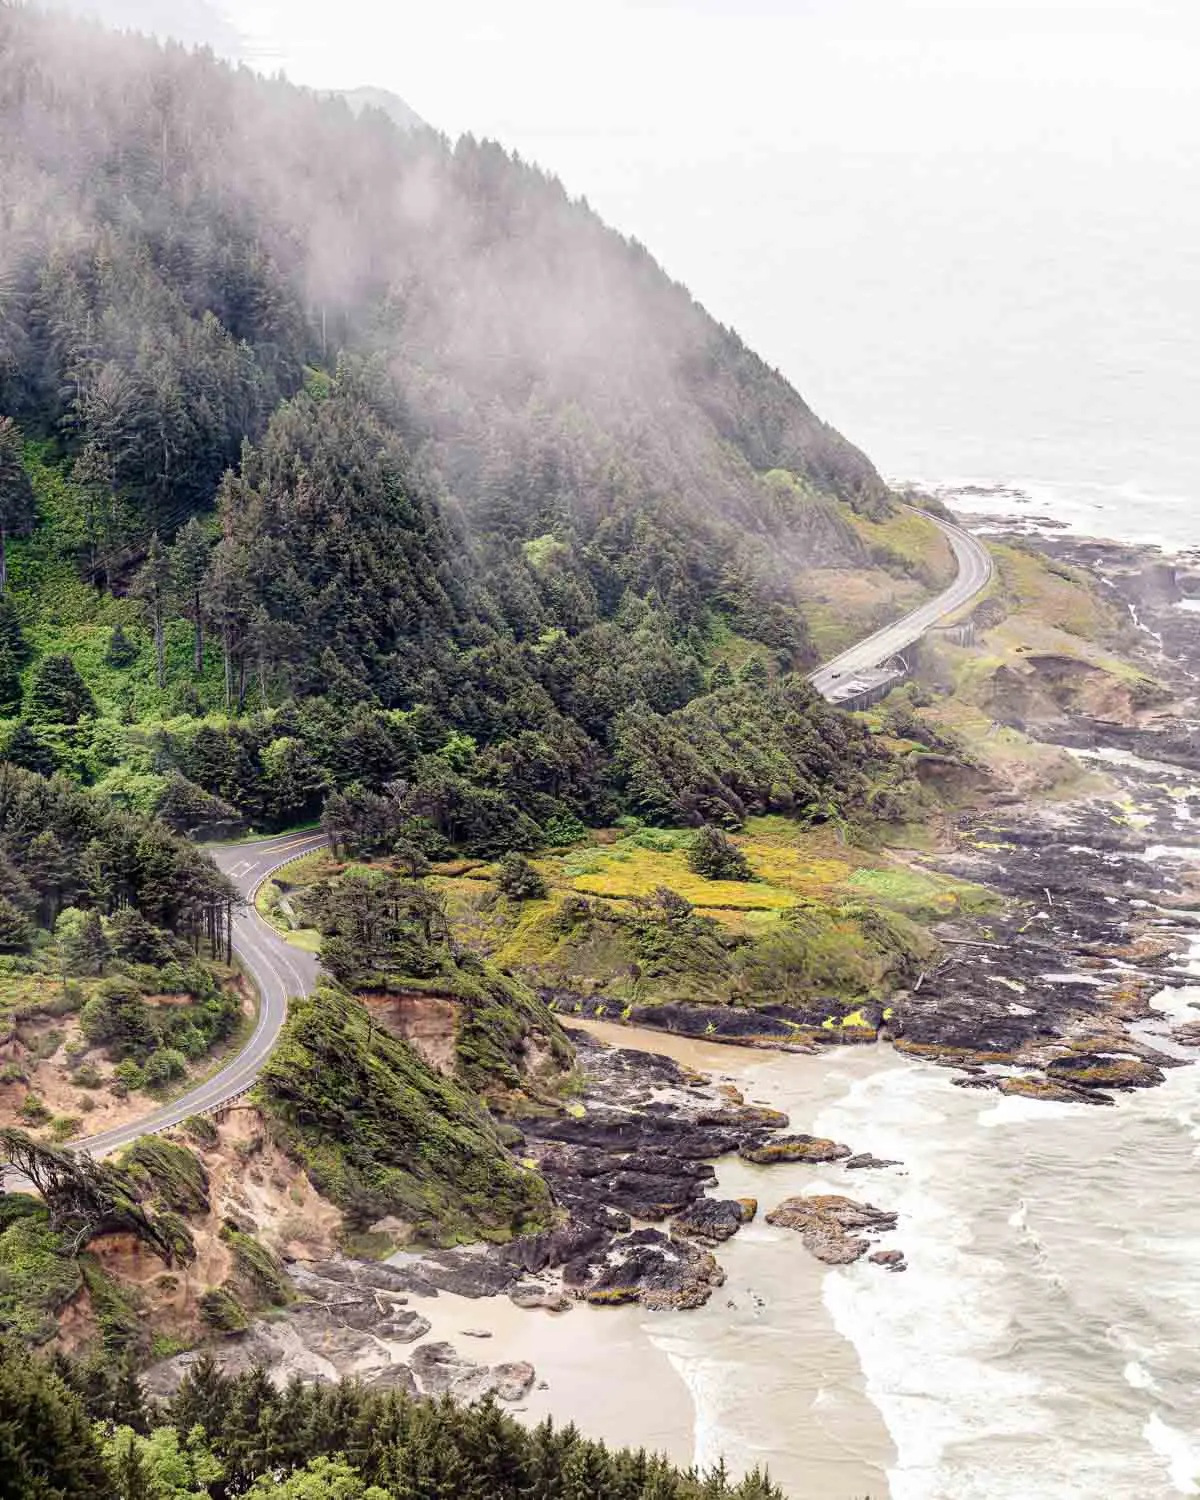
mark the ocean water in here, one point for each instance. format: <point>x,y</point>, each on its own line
<point>1043,1342</point>
<point>1118,511</point>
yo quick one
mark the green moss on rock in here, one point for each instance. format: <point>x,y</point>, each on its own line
<point>221,1311</point>
<point>37,1275</point>
<point>168,1175</point>
<point>383,1135</point>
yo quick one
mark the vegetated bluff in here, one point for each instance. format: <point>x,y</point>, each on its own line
<point>490,480</point>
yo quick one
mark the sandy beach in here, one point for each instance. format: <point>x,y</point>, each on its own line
<point>760,1376</point>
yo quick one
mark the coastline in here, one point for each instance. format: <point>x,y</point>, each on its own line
<point>760,1376</point>
<point>1013,1358</point>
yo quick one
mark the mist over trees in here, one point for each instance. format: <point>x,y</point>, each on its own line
<point>397,428</point>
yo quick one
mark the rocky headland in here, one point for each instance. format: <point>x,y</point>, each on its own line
<point>1044,994</point>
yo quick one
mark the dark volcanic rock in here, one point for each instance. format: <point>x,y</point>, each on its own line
<point>891,1260</point>
<point>866,1162</point>
<point>555,1247</point>
<point>645,1267</point>
<point>710,1220</point>
<point>1047,1089</point>
<point>781,1148</point>
<point>1090,1071</point>
<point>826,1224</point>
<point>744,1116</point>
<point>624,1131</point>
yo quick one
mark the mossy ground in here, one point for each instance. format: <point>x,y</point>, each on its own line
<point>384,1135</point>
<point>1042,613</point>
<point>823,916</point>
<point>907,540</point>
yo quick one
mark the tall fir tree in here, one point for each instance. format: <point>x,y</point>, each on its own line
<point>152,585</point>
<point>189,568</point>
<point>16,494</point>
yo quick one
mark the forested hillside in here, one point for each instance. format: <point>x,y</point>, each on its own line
<point>114,957</point>
<point>334,454</point>
<point>223,1435</point>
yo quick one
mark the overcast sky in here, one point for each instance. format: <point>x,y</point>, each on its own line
<point>900,202</point>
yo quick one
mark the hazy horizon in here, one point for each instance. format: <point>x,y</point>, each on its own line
<point>961,230</point>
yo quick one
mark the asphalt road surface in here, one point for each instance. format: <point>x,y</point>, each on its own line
<point>974,572</point>
<point>275,966</point>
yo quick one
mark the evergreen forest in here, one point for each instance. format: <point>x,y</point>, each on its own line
<point>338,459</point>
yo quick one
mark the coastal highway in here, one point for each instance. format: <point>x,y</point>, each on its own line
<point>275,966</point>
<point>279,969</point>
<point>974,572</point>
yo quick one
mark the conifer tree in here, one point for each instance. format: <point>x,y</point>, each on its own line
<point>59,694</point>
<point>10,682</point>
<point>121,650</point>
<point>49,872</point>
<point>16,494</point>
<point>86,949</point>
<point>26,750</point>
<point>46,1443</point>
<point>518,879</point>
<point>153,585</point>
<point>716,857</point>
<point>11,634</point>
<point>189,568</point>
<point>16,930</point>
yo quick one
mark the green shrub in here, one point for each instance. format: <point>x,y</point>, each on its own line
<point>201,1129</point>
<point>382,1133</point>
<point>255,1269</point>
<point>221,1312</point>
<point>117,1017</point>
<point>34,1110</point>
<point>518,879</point>
<point>37,1278</point>
<point>167,1174</point>
<point>715,856</point>
<point>121,1324</point>
<point>563,829</point>
<point>162,1067</point>
<point>127,1077</point>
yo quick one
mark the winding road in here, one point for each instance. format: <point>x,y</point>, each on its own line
<point>276,967</point>
<point>279,969</point>
<point>974,573</point>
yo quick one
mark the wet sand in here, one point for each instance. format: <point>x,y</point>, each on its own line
<point>760,1376</point>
